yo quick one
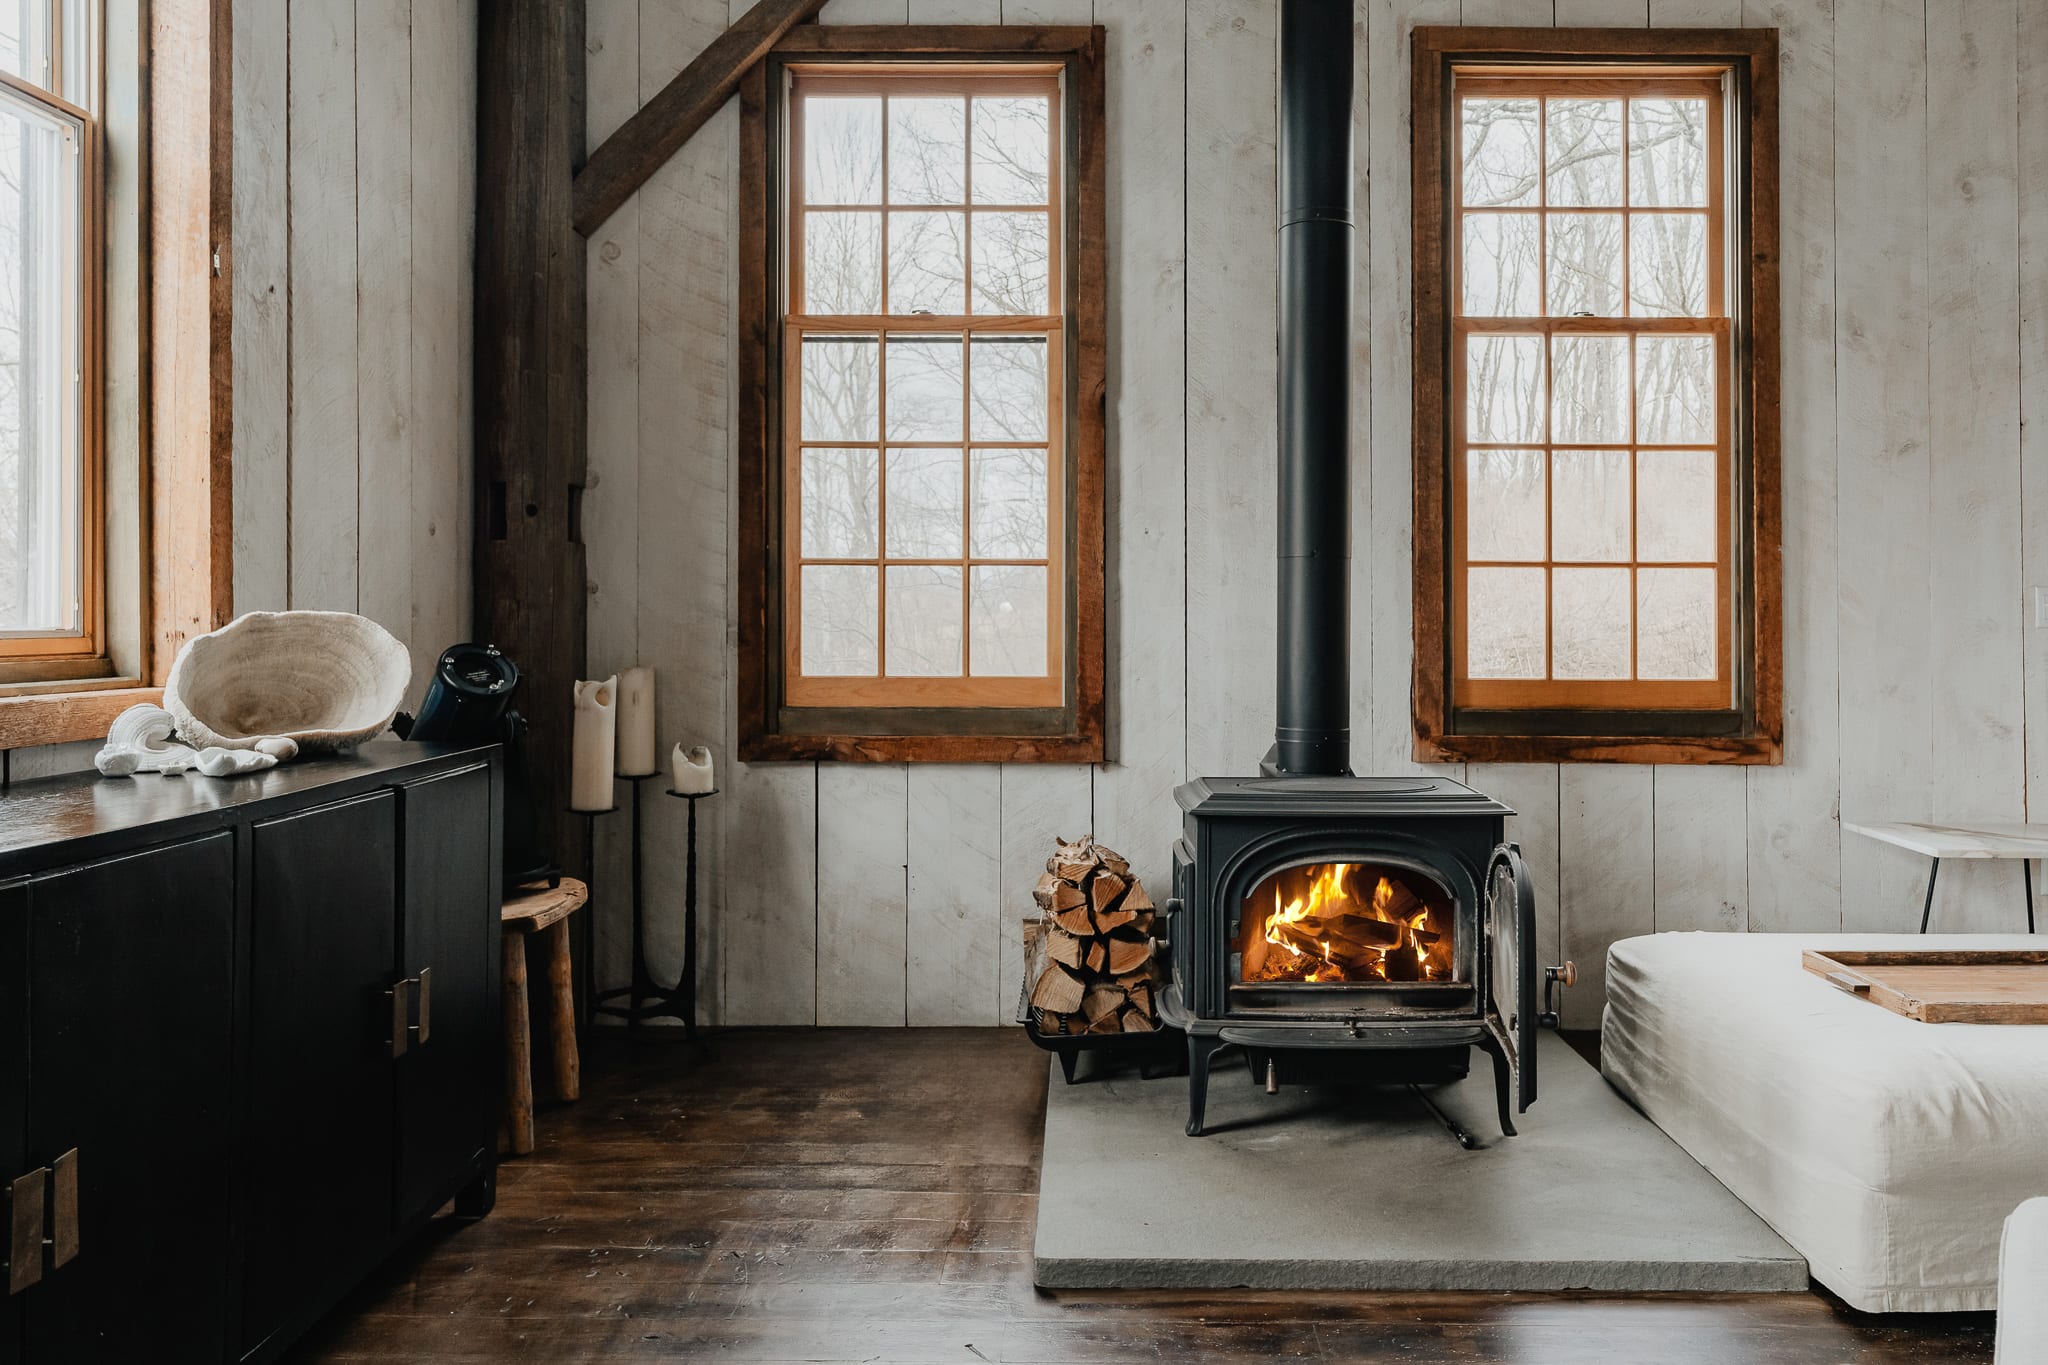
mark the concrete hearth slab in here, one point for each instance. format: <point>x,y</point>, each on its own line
<point>1363,1189</point>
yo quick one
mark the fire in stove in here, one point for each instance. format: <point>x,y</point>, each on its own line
<point>1328,923</point>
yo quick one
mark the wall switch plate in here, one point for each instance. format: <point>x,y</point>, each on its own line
<point>2040,608</point>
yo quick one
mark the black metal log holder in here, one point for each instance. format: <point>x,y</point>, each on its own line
<point>647,998</point>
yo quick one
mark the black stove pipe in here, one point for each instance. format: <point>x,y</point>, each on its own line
<point>1312,735</point>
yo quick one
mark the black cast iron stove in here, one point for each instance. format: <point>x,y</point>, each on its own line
<point>1314,910</point>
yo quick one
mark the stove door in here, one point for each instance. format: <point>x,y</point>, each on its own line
<point>1511,1000</point>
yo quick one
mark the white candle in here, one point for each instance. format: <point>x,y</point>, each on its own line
<point>692,771</point>
<point>636,722</point>
<point>591,743</point>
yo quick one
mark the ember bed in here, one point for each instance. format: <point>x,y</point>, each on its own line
<point>1887,1151</point>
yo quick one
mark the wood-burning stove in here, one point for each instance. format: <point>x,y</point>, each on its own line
<point>1312,909</point>
<point>1323,912</point>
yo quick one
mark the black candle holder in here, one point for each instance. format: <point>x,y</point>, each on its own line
<point>647,998</point>
<point>584,937</point>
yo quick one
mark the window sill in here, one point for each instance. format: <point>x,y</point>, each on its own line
<point>785,748</point>
<point>1720,749</point>
<point>58,713</point>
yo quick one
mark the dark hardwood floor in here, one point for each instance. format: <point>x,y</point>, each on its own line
<point>867,1196</point>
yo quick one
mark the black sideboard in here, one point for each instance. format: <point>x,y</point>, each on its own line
<point>249,1043</point>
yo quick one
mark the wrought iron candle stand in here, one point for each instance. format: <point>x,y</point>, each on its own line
<point>647,998</point>
<point>586,964</point>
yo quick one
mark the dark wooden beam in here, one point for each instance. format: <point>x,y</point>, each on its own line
<point>654,134</point>
<point>530,430</point>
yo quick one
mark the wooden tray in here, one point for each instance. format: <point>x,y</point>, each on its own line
<point>1987,986</point>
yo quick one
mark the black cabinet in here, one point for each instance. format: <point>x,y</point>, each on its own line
<point>249,1028</point>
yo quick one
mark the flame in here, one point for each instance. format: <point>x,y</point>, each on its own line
<point>1331,933</point>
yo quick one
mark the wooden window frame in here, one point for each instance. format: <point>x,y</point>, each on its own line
<point>1612,726</point>
<point>69,656</point>
<point>953,720</point>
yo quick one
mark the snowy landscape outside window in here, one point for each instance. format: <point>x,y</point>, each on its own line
<point>49,537</point>
<point>1590,450</point>
<point>923,380</point>
<point>1598,505</point>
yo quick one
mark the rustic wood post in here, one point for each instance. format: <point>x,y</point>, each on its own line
<point>530,396</point>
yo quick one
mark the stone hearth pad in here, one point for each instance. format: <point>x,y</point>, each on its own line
<point>1364,1189</point>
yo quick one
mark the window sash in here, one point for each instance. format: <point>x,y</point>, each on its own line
<point>882,689</point>
<point>30,651</point>
<point>1550,692</point>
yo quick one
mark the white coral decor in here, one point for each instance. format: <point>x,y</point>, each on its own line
<point>280,681</point>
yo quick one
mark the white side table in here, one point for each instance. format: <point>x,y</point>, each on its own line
<point>2024,842</point>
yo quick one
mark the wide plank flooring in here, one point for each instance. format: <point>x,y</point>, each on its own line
<point>867,1195</point>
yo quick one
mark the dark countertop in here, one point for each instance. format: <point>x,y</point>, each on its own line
<point>50,821</point>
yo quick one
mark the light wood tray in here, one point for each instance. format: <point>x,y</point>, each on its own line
<point>1989,986</point>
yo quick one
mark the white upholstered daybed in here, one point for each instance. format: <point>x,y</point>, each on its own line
<point>1886,1151</point>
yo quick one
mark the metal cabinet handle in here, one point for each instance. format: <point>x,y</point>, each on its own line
<point>25,1229</point>
<point>401,1031</point>
<point>64,1208</point>
<point>425,981</point>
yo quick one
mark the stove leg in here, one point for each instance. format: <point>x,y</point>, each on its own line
<point>1502,1091</point>
<point>1200,1054</point>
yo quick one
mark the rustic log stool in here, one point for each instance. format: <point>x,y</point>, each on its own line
<point>543,910</point>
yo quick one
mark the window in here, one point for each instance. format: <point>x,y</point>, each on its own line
<point>924,556</point>
<point>1595,424</point>
<point>51,612</point>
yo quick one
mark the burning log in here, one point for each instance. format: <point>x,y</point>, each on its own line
<point>1089,955</point>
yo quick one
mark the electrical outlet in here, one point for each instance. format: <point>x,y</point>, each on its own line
<point>2040,608</point>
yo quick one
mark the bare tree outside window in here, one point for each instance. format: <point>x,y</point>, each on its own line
<point>43,218</point>
<point>1590,344</point>
<point>924,436</point>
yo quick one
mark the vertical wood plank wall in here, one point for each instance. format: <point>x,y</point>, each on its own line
<point>354,185</point>
<point>1915,227</point>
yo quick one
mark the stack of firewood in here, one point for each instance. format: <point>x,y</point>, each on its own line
<point>1090,955</point>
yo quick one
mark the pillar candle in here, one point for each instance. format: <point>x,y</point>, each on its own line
<point>591,745</point>
<point>636,722</point>
<point>692,769</point>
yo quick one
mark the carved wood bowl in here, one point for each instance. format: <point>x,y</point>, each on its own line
<point>325,680</point>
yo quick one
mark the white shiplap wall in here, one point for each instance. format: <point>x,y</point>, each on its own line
<point>1915,247</point>
<point>354,211</point>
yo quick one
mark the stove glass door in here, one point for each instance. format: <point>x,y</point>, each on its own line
<point>1346,924</point>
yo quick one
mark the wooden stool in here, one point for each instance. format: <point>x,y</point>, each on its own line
<point>542,910</point>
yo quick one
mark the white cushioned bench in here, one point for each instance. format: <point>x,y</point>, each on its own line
<point>1886,1151</point>
<point>2023,1286</point>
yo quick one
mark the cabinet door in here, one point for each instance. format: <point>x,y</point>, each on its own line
<point>322,945</point>
<point>13,1083</point>
<point>130,991</point>
<point>448,927</point>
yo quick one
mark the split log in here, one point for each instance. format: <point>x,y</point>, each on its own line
<point>1127,955</point>
<point>1116,918</point>
<point>1097,957</point>
<point>1058,990</point>
<point>1063,947</point>
<point>1075,920</point>
<point>1103,998</point>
